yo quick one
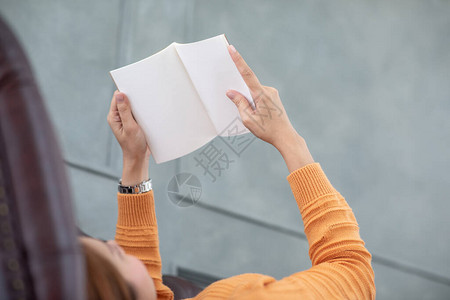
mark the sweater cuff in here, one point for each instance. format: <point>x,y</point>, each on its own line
<point>136,210</point>
<point>309,183</point>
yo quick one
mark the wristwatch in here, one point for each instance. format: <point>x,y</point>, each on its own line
<point>143,187</point>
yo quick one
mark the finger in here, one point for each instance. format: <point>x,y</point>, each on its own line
<point>113,114</point>
<point>247,74</point>
<point>113,107</point>
<point>123,106</point>
<point>242,104</point>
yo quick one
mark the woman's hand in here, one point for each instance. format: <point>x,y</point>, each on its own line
<point>131,138</point>
<point>268,121</point>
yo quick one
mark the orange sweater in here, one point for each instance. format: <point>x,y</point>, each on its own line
<point>341,265</point>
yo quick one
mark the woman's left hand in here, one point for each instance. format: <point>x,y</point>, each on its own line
<point>131,138</point>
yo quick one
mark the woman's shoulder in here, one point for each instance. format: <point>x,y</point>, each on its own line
<point>232,285</point>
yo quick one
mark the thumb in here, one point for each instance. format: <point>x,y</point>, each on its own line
<point>240,101</point>
<point>123,106</point>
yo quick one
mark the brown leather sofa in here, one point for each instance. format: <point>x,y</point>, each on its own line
<point>40,257</point>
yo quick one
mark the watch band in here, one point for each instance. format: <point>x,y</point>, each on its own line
<point>143,187</point>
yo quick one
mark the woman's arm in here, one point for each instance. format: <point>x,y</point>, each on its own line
<point>137,229</point>
<point>341,264</point>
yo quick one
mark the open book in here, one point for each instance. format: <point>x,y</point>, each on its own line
<point>178,96</point>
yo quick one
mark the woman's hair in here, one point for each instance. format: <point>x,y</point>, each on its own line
<point>103,280</point>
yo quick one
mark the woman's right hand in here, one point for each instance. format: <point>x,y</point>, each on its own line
<point>268,121</point>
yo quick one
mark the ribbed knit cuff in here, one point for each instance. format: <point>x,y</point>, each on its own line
<point>136,210</point>
<point>309,183</point>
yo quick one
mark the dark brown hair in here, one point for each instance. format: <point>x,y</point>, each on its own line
<point>103,280</point>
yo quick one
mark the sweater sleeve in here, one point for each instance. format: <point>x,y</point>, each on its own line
<point>137,234</point>
<point>341,265</point>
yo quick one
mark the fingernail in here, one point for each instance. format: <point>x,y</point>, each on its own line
<point>119,98</point>
<point>231,94</point>
<point>233,50</point>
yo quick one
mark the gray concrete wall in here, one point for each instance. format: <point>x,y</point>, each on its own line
<point>366,83</point>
